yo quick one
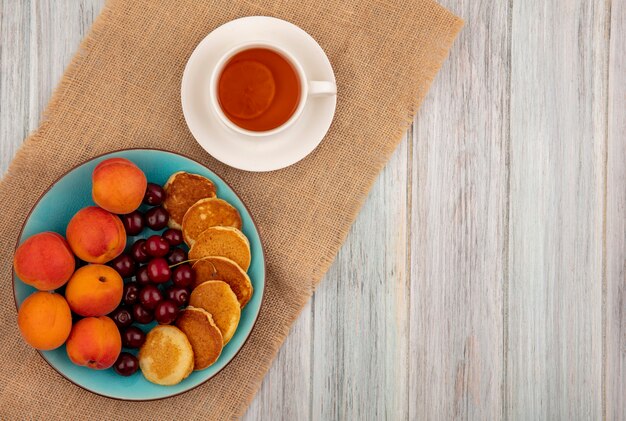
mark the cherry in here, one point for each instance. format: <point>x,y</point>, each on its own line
<point>124,265</point>
<point>156,218</point>
<point>158,270</point>
<point>154,195</point>
<point>133,337</point>
<point>126,364</point>
<point>166,312</point>
<point>178,295</point>
<point>133,222</point>
<point>142,276</point>
<point>138,251</point>
<point>156,246</point>
<point>122,317</point>
<point>141,315</point>
<point>176,256</point>
<point>173,236</point>
<point>131,293</point>
<point>149,296</point>
<point>183,275</point>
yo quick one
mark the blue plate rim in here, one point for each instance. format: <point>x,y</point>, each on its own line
<point>256,228</point>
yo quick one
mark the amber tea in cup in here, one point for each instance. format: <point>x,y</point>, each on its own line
<point>258,89</point>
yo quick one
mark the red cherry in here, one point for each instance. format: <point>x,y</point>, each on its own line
<point>122,318</point>
<point>150,296</point>
<point>141,314</point>
<point>173,236</point>
<point>133,337</point>
<point>154,195</point>
<point>183,275</point>
<point>131,293</point>
<point>166,312</point>
<point>133,222</point>
<point>176,256</point>
<point>124,265</point>
<point>142,276</point>
<point>138,251</point>
<point>178,295</point>
<point>158,270</point>
<point>126,364</point>
<point>156,218</point>
<point>156,246</point>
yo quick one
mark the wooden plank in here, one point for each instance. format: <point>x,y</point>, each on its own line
<point>459,194</point>
<point>558,129</point>
<point>285,391</point>
<point>360,342</point>
<point>615,364</point>
<point>14,105</point>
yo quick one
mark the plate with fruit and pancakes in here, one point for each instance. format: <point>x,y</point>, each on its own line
<point>99,265</point>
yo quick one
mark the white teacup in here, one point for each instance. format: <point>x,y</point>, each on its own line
<point>308,88</point>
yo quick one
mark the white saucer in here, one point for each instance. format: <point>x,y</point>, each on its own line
<point>243,151</point>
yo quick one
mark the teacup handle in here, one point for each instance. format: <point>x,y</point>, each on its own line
<point>322,87</point>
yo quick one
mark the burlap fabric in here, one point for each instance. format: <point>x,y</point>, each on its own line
<point>122,91</point>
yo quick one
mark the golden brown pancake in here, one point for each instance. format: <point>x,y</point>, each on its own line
<point>182,190</point>
<point>223,269</point>
<point>166,357</point>
<point>222,241</point>
<point>217,298</point>
<point>205,337</point>
<point>207,213</point>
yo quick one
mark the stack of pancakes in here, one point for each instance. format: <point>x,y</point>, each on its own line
<point>211,227</point>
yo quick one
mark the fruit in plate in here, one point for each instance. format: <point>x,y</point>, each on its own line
<point>221,268</point>
<point>94,342</point>
<point>173,236</point>
<point>44,320</point>
<point>158,270</point>
<point>124,265</point>
<point>154,195</point>
<point>166,312</point>
<point>166,358</point>
<point>121,317</point>
<point>94,290</point>
<point>176,256</point>
<point>126,364</point>
<point>133,222</point>
<point>157,246</point>
<point>156,218</point>
<point>182,190</point>
<point>207,213</point>
<point>183,275</point>
<point>95,235</point>
<point>227,242</point>
<point>44,261</point>
<point>133,337</point>
<point>150,296</point>
<point>220,301</point>
<point>118,185</point>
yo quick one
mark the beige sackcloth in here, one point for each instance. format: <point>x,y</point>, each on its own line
<point>122,90</point>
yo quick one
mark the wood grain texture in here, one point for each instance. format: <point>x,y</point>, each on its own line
<point>485,276</point>
<point>615,364</point>
<point>557,152</point>
<point>459,191</point>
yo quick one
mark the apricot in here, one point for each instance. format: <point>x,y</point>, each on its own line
<point>45,320</point>
<point>118,185</point>
<point>44,261</point>
<point>94,290</point>
<point>94,342</point>
<point>95,235</point>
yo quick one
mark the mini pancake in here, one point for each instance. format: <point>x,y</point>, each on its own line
<point>205,337</point>
<point>207,213</point>
<point>166,358</point>
<point>222,241</point>
<point>217,298</point>
<point>182,190</point>
<point>223,269</point>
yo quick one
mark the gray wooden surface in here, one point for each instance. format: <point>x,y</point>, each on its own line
<point>485,276</point>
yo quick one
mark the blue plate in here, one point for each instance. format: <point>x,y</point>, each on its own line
<point>73,192</point>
